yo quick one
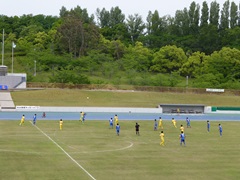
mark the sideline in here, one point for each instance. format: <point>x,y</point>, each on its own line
<point>63,151</point>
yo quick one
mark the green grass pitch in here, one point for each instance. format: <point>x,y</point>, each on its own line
<point>43,153</point>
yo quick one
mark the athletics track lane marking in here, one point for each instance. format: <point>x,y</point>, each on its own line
<point>64,151</point>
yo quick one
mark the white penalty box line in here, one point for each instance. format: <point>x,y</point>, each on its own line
<point>64,152</point>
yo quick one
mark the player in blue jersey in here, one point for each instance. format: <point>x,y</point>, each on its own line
<point>188,122</point>
<point>208,126</point>
<point>34,119</point>
<point>111,123</point>
<point>84,117</point>
<point>118,129</point>
<point>220,129</point>
<point>155,125</point>
<point>182,138</point>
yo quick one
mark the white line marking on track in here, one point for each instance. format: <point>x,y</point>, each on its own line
<point>64,152</point>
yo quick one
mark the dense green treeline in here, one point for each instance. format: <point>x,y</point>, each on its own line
<point>200,43</point>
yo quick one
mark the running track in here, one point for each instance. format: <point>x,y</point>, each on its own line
<point>122,116</point>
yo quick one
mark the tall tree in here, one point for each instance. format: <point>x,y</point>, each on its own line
<point>214,14</point>
<point>78,32</point>
<point>193,15</point>
<point>116,16</point>
<point>233,15</point>
<point>135,26</point>
<point>205,14</point>
<point>224,22</point>
<point>103,17</point>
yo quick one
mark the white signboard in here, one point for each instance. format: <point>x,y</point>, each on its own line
<point>27,107</point>
<point>214,90</point>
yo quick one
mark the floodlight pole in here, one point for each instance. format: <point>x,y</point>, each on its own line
<point>3,47</point>
<point>12,54</point>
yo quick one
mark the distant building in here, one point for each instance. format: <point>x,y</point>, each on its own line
<point>12,80</point>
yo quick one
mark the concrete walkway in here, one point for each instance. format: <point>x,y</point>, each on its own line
<point>6,101</point>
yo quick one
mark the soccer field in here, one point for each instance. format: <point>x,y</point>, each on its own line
<point>93,151</point>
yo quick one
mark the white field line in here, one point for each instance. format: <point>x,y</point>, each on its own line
<point>108,150</point>
<point>23,152</point>
<point>64,152</point>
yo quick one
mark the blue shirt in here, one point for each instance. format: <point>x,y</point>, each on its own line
<point>182,136</point>
<point>220,128</point>
<point>118,128</point>
<point>111,122</point>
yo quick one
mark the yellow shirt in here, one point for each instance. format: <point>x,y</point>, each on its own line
<point>182,128</point>
<point>160,121</point>
<point>162,136</point>
<point>23,118</point>
<point>82,113</point>
<point>61,123</point>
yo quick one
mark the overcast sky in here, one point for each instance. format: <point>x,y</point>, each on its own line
<point>128,7</point>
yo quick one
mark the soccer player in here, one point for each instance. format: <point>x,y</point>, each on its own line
<point>182,138</point>
<point>208,126</point>
<point>81,116</point>
<point>137,128</point>
<point>84,116</point>
<point>61,124</point>
<point>34,119</point>
<point>155,125</point>
<point>162,138</point>
<point>160,123</point>
<point>181,128</point>
<point>118,129</point>
<point>188,122</point>
<point>22,120</point>
<point>220,129</point>
<point>111,123</point>
<point>116,119</point>
<point>43,115</point>
<point>174,122</point>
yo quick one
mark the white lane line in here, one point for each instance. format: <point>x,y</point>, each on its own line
<point>64,152</point>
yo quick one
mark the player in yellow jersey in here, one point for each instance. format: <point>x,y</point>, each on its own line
<point>61,124</point>
<point>160,123</point>
<point>116,119</point>
<point>81,116</point>
<point>162,138</point>
<point>174,122</point>
<point>181,128</point>
<point>22,120</point>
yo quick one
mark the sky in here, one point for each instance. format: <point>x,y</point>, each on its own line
<point>128,7</point>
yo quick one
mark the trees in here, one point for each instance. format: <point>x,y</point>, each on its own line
<point>137,58</point>
<point>168,59</point>
<point>77,32</point>
<point>135,26</point>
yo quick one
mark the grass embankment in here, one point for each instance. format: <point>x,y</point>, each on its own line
<point>70,97</point>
